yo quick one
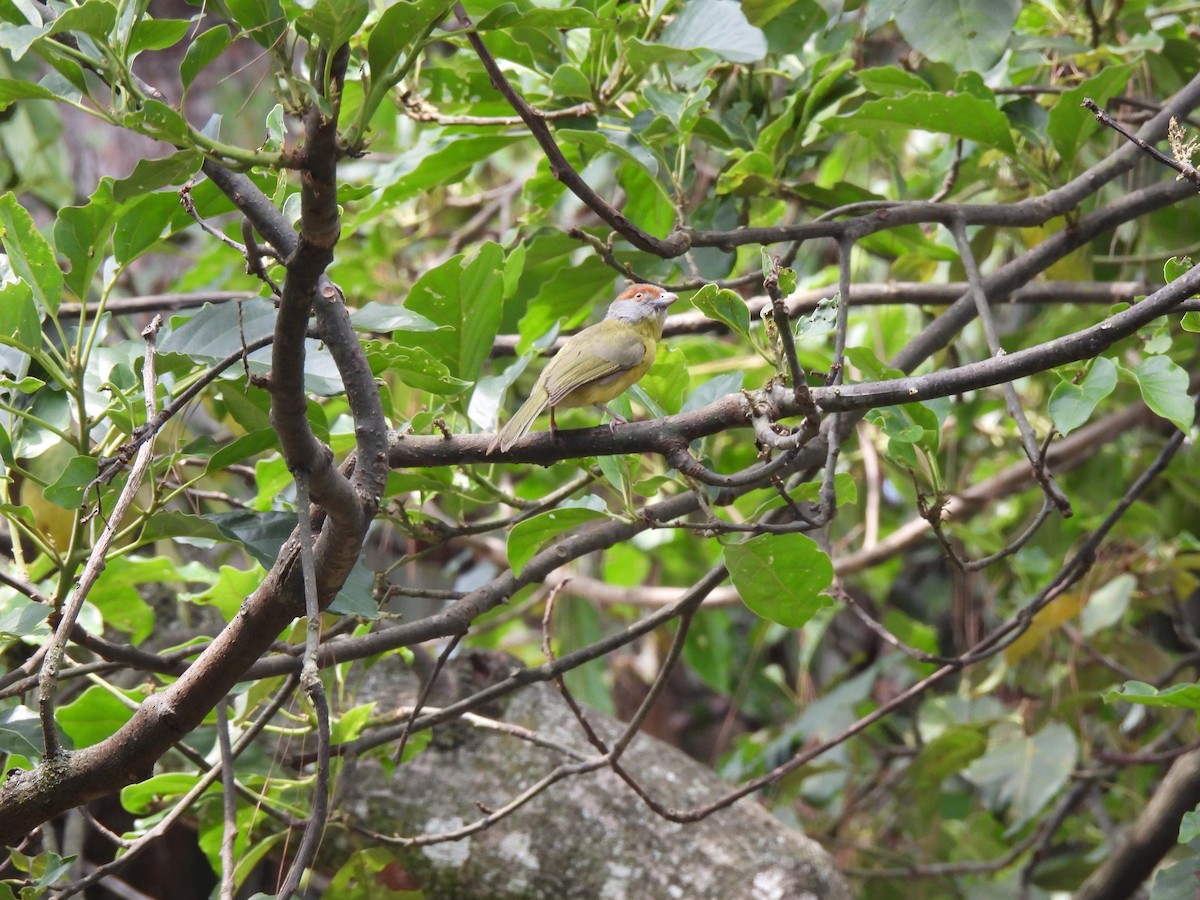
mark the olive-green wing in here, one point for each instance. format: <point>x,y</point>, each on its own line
<point>584,361</point>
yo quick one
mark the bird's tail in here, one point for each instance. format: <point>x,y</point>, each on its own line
<point>516,427</point>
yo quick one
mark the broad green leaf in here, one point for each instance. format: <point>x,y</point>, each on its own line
<point>1073,404</point>
<point>11,90</point>
<point>667,381</point>
<point>725,306</point>
<point>206,47</point>
<point>569,81</point>
<point>117,597</point>
<point>481,288</point>
<point>149,795</point>
<point>958,115</point>
<point>966,34</point>
<point>1107,605</point>
<point>157,34</point>
<point>946,754</point>
<point>82,233</point>
<point>385,317</point>
<point>21,732</point>
<point>67,490</point>
<point>749,175</point>
<point>1180,696</point>
<point>151,174</point>
<point>709,649</point>
<point>530,15</point>
<point>1176,267</point>
<point>262,20</point>
<point>229,591</point>
<point>1177,881</point>
<point>536,533</point>
<point>140,225</point>
<point>416,367</point>
<point>158,120</point>
<point>1023,772</point>
<point>350,724</point>
<point>446,162</point>
<point>864,359</point>
<point>19,320</point>
<point>1069,124</point>
<point>718,26</point>
<point>781,577</point>
<point>334,22</point>
<point>97,714</point>
<point>890,81</point>
<point>1164,387</point>
<point>95,17</point>
<point>29,254</point>
<point>399,25</point>
<point>468,298</point>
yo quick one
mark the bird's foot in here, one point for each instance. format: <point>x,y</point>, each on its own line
<point>615,420</point>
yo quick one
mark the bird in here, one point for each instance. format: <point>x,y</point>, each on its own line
<point>597,364</point>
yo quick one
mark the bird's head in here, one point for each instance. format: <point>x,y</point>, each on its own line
<point>639,302</point>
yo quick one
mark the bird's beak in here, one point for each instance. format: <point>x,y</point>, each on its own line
<point>665,300</point>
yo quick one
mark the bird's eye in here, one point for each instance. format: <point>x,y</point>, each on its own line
<point>638,296</point>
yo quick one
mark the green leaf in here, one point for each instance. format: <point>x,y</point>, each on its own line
<point>230,589</point>
<point>385,317</point>
<point>12,90</point>
<point>141,224</point>
<point>159,121</point>
<point>1073,404</point>
<point>399,25</point>
<point>20,323</point>
<point>149,795</point>
<point>529,15</point>
<point>416,367</point>
<point>864,359</point>
<point>1069,125</point>
<point>67,490</point>
<point>1176,267</point>
<point>157,34</point>
<point>21,732</point>
<point>96,715</point>
<point>207,46</point>
<point>1164,387</point>
<point>95,17</point>
<point>947,754</point>
<point>450,158</point>
<point>668,379</point>
<point>262,20</point>
<point>958,115</point>
<point>569,81</point>
<point>29,254</point>
<point>536,533</point>
<point>890,81</point>
<point>718,26</point>
<point>81,234</point>
<point>750,174</point>
<point>1023,772</point>
<point>1107,605</point>
<point>1179,696</point>
<point>151,174</point>
<point>780,577</point>
<point>725,306</point>
<point>966,34</point>
<point>468,298</point>
<point>334,22</point>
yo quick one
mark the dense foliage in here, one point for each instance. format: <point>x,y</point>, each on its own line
<point>906,501</point>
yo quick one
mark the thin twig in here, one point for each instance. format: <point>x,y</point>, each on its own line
<point>48,683</point>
